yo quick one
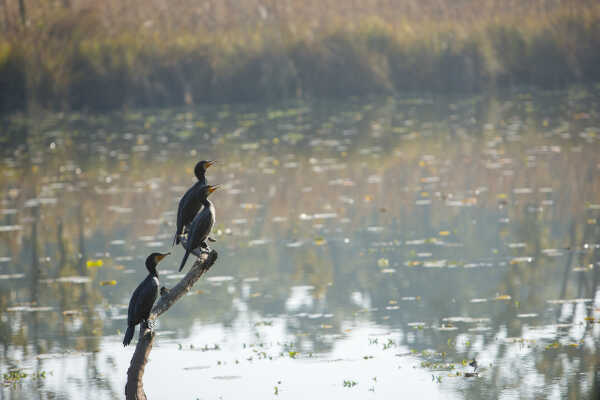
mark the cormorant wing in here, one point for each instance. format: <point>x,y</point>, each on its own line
<point>187,209</point>
<point>184,203</point>
<point>145,295</point>
<point>133,304</point>
<point>201,226</point>
<point>190,204</point>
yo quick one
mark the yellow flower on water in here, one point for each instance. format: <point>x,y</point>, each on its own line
<point>320,241</point>
<point>94,263</point>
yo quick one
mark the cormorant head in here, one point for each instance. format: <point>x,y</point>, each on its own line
<point>153,260</point>
<point>201,167</point>
<point>206,190</point>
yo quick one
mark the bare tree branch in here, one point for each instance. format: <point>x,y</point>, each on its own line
<point>134,389</point>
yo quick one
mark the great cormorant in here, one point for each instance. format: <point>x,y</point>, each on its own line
<point>190,203</point>
<point>143,297</point>
<point>201,225</point>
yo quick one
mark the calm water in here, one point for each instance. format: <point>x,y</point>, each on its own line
<point>368,249</point>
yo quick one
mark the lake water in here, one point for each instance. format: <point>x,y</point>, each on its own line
<point>368,249</point>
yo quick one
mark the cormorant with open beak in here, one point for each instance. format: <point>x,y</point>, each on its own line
<point>201,225</point>
<point>143,297</point>
<point>191,202</point>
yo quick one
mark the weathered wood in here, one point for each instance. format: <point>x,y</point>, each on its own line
<point>134,388</point>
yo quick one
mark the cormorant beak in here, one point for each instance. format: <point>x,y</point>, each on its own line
<point>161,256</point>
<point>209,163</point>
<point>213,188</point>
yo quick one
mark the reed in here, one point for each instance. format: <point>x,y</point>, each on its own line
<point>103,57</point>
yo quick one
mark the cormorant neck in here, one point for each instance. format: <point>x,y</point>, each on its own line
<point>152,271</point>
<point>201,175</point>
<point>206,202</point>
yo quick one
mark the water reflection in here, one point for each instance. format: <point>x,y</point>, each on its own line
<point>398,238</point>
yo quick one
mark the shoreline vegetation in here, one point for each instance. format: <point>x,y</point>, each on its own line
<point>80,56</point>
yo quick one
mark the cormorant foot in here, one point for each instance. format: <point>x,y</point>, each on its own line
<point>211,239</point>
<point>164,291</point>
<point>150,324</point>
<point>197,252</point>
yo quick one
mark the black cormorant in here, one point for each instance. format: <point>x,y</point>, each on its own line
<point>143,297</point>
<point>201,225</point>
<point>190,203</point>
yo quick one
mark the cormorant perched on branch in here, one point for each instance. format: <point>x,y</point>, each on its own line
<point>190,203</point>
<point>143,297</point>
<point>201,225</point>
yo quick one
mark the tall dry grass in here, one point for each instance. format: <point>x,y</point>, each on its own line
<point>102,55</point>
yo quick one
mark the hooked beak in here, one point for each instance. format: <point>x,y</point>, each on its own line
<point>213,188</point>
<point>161,256</point>
<point>209,163</point>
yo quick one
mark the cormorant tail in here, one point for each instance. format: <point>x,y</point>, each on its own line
<point>187,254</point>
<point>128,335</point>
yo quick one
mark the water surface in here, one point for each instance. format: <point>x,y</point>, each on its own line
<point>367,249</point>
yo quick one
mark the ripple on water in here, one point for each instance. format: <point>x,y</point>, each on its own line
<point>11,276</point>
<point>26,308</point>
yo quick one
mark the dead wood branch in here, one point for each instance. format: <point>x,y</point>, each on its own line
<point>134,389</point>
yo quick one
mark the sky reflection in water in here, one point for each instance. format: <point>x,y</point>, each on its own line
<point>367,249</point>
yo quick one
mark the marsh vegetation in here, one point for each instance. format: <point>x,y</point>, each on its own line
<point>86,55</point>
